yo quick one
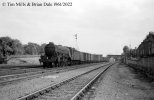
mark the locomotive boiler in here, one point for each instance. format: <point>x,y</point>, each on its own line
<point>55,55</point>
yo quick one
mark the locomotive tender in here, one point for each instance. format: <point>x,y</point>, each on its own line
<point>57,55</point>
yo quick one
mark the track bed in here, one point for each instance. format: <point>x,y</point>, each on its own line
<point>14,91</point>
<point>7,79</point>
<point>68,90</point>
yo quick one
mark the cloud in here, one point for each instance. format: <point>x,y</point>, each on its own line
<point>104,25</point>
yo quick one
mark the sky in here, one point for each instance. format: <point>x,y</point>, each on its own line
<point>103,26</point>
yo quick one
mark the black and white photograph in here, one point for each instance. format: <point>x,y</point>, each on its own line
<point>76,49</point>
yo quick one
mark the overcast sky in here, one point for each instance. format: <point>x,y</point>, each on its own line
<point>103,26</point>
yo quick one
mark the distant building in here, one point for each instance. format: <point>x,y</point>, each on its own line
<point>146,48</point>
<point>116,57</point>
<point>111,59</point>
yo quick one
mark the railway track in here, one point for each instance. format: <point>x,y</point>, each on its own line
<point>87,91</point>
<point>19,77</point>
<point>7,79</point>
<point>72,88</point>
<point>19,70</point>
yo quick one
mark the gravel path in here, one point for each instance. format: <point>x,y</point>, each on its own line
<point>14,91</point>
<point>122,83</point>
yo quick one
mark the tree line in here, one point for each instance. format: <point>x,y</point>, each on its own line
<point>9,46</point>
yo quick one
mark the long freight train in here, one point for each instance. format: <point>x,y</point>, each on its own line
<point>57,55</point>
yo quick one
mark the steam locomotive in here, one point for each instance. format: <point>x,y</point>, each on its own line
<point>58,55</point>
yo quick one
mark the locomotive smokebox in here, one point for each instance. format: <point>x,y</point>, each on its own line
<point>50,49</point>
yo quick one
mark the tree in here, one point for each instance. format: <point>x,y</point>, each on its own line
<point>5,46</point>
<point>32,48</point>
<point>17,47</point>
<point>42,48</point>
<point>126,53</point>
<point>125,49</point>
<point>9,46</point>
